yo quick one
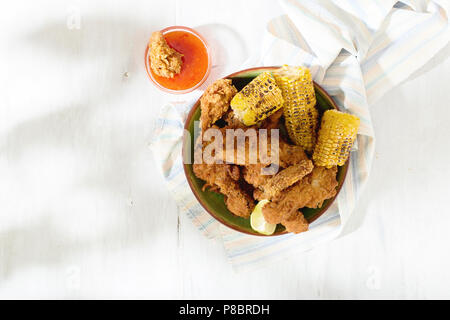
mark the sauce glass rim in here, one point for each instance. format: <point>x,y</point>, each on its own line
<point>208,69</point>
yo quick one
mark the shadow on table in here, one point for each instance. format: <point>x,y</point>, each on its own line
<point>105,147</point>
<point>128,216</point>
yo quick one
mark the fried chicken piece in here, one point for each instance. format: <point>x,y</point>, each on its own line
<point>232,122</point>
<point>164,60</point>
<point>258,194</point>
<point>290,154</point>
<point>218,176</point>
<point>252,174</point>
<point>310,192</point>
<point>248,154</point>
<point>245,148</point>
<point>238,202</point>
<point>285,178</point>
<point>320,185</point>
<point>234,172</point>
<point>295,222</point>
<point>275,211</point>
<point>215,102</point>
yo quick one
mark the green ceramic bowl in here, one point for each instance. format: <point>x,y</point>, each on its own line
<point>213,202</point>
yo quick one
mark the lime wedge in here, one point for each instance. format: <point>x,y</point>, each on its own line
<point>257,221</point>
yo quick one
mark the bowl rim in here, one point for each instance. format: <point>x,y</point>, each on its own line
<point>213,214</point>
<point>198,84</point>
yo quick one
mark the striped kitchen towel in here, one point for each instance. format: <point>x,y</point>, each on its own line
<point>357,50</point>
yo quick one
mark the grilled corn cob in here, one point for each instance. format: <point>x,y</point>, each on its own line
<point>257,100</point>
<point>300,112</point>
<point>335,139</point>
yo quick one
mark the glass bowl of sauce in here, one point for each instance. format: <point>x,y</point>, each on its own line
<point>196,61</point>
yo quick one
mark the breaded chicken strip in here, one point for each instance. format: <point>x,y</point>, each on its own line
<point>310,192</point>
<point>215,102</point>
<point>164,60</point>
<point>218,177</point>
<point>285,178</point>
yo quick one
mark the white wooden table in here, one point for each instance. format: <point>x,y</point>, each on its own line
<point>84,212</point>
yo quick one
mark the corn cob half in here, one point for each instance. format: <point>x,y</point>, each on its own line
<point>300,112</point>
<point>337,133</point>
<point>257,100</point>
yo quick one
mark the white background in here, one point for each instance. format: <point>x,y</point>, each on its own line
<point>84,212</point>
